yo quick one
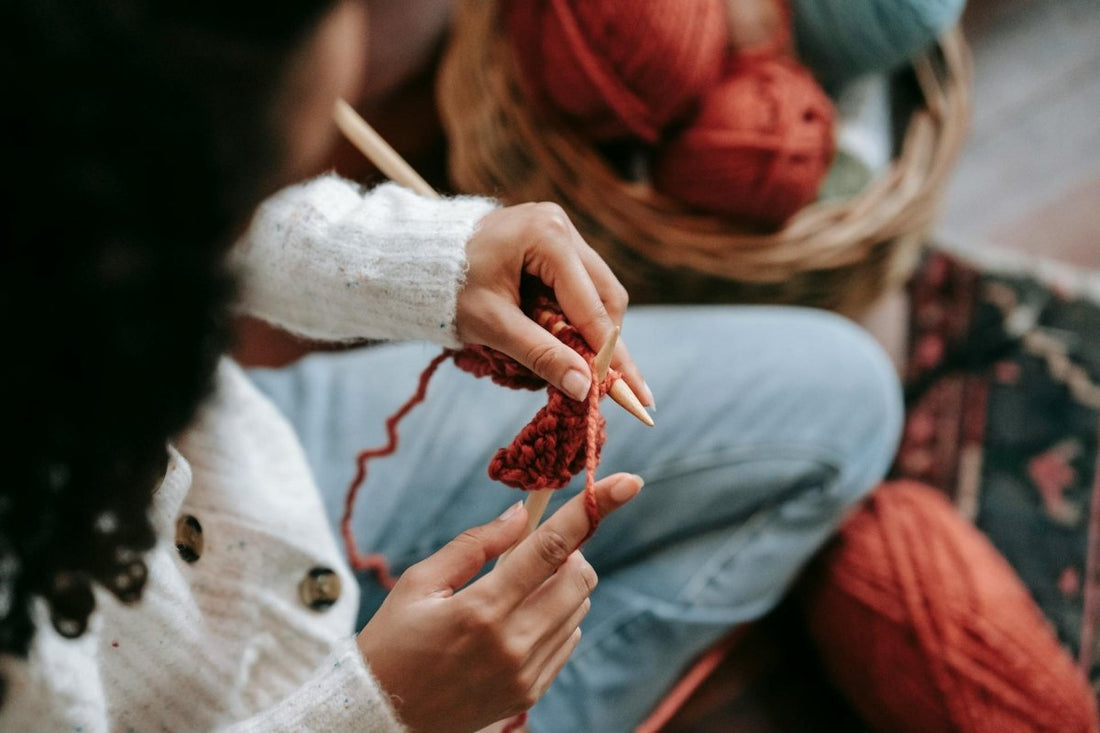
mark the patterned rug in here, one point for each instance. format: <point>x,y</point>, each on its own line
<point>1003,411</point>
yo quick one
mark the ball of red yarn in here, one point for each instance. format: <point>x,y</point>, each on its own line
<point>758,149</point>
<point>925,627</point>
<point>620,69</point>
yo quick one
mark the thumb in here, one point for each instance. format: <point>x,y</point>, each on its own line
<point>537,349</point>
<point>457,562</point>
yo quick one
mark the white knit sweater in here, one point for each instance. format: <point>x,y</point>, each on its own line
<point>226,641</point>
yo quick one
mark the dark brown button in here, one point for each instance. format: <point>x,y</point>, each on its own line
<point>70,628</point>
<point>320,588</point>
<point>189,538</point>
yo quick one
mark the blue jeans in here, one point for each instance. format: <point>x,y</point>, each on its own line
<point>772,423</point>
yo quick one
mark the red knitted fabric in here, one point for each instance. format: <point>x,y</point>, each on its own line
<point>562,439</point>
<point>759,148</point>
<point>924,627</point>
<point>620,69</point>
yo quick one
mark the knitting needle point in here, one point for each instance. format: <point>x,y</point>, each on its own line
<point>622,394</point>
<point>620,391</point>
<point>602,362</point>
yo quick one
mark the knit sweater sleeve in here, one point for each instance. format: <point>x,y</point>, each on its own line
<point>327,261</point>
<point>341,695</point>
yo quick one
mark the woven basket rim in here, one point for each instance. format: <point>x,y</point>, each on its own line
<point>646,224</point>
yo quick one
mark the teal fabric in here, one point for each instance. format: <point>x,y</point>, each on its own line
<point>841,39</point>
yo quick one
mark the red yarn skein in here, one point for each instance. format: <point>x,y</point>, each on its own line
<point>620,69</point>
<point>759,148</point>
<point>925,627</point>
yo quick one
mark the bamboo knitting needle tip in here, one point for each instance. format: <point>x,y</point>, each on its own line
<point>623,395</point>
<point>620,391</point>
<point>602,362</point>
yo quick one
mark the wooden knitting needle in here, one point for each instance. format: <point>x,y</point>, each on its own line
<point>602,363</point>
<point>378,151</point>
<point>389,161</point>
<point>538,499</point>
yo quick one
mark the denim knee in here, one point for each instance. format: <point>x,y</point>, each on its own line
<point>866,404</point>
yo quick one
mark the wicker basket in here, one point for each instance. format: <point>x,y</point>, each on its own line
<point>837,255</point>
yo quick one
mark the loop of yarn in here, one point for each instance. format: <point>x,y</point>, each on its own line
<point>924,626</point>
<point>562,439</point>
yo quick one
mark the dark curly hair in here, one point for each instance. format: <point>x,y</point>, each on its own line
<point>138,135</point>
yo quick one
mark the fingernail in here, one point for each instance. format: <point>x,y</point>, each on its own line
<point>651,403</point>
<point>510,511</point>
<point>627,488</point>
<point>576,384</point>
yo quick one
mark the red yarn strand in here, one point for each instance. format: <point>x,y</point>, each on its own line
<point>377,562</point>
<point>562,439</point>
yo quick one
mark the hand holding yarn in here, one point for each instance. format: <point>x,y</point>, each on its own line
<point>538,244</point>
<point>539,241</point>
<point>562,439</point>
<point>455,655</point>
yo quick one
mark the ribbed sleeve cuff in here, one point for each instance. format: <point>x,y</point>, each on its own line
<point>329,262</point>
<point>342,695</point>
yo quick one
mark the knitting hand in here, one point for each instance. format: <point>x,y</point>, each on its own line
<point>458,657</point>
<point>539,240</point>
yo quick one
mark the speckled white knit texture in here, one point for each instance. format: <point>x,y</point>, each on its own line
<point>225,641</point>
<point>327,261</point>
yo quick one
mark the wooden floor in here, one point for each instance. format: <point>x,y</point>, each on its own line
<point>1029,180</point>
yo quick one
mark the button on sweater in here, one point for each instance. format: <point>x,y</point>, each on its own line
<point>247,619</point>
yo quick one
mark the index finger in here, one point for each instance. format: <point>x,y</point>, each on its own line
<point>540,555</point>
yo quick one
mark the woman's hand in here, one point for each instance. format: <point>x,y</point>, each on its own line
<point>459,658</point>
<point>539,240</point>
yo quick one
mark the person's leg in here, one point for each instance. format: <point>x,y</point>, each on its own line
<point>784,422</point>
<point>773,422</point>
